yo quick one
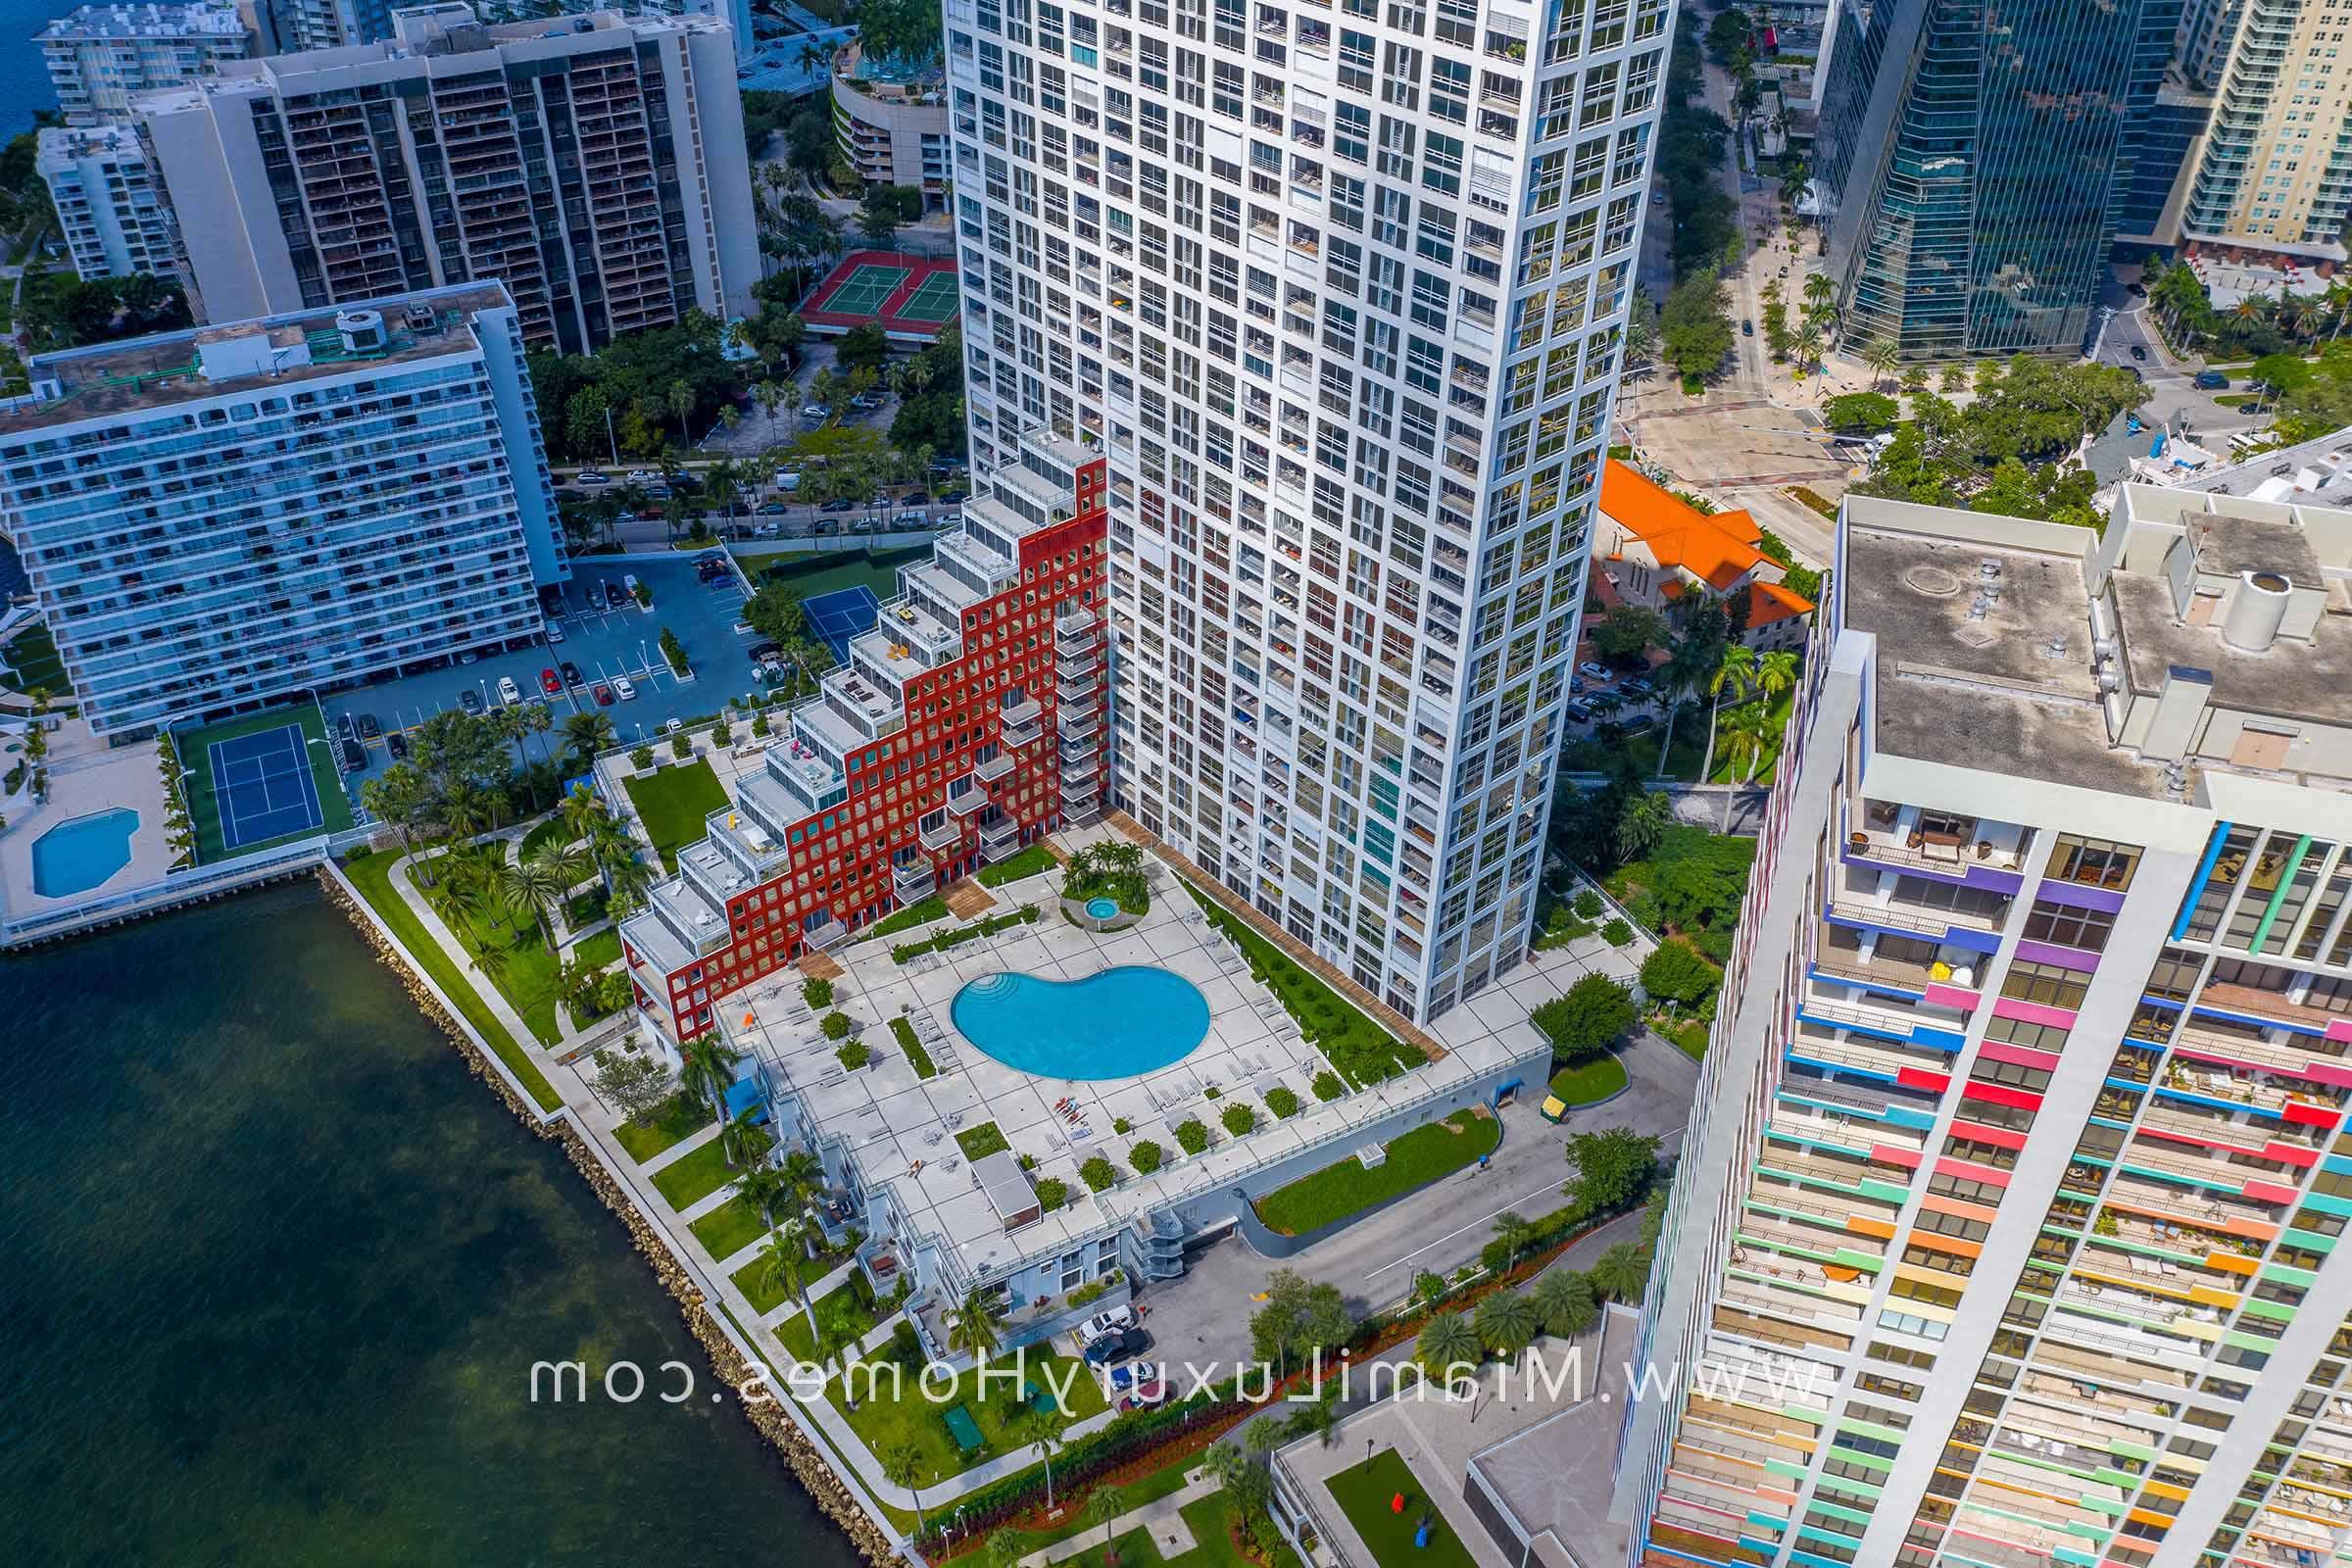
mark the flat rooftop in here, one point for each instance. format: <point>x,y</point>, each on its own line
<point>1984,646</point>
<point>144,21</point>
<point>153,373</point>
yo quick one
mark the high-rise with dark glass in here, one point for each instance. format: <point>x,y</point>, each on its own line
<point>1972,164</point>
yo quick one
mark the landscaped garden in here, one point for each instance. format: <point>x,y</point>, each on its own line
<point>1212,1541</point>
<point>1365,1492</point>
<point>1113,871</point>
<point>675,1119</point>
<point>919,1421</point>
<point>1689,885</point>
<point>1028,862</point>
<point>29,660</point>
<point>674,805</point>
<point>1587,1083</point>
<point>1414,1160</point>
<point>690,1178</point>
<point>847,1313</point>
<point>1356,1046</point>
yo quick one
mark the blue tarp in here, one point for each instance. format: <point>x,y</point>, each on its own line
<point>744,1094</point>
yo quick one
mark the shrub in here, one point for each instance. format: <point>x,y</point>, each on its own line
<point>1588,1020</point>
<point>721,735</point>
<point>1328,1086</point>
<point>1191,1136</point>
<point>818,992</point>
<point>1282,1101</point>
<point>836,1026</point>
<point>1147,1158</point>
<point>978,1142</point>
<point>1051,1192</point>
<point>642,758</point>
<point>854,1055</point>
<point>916,1056</point>
<point>1617,933</point>
<point>758,726</point>
<point>1120,1124</point>
<point>1098,1173</point>
<point>1587,904</point>
<point>1212,1091</point>
<point>681,747</point>
<point>1676,973</point>
<point>1088,1293</point>
<point>1239,1120</point>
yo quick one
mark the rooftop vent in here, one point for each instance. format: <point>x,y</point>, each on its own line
<point>362,331</point>
<point>2255,612</point>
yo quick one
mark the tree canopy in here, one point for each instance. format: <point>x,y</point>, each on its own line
<point>1589,1019</point>
<point>1695,325</point>
<point>635,379</point>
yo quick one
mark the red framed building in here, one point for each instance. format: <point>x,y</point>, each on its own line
<point>969,723</point>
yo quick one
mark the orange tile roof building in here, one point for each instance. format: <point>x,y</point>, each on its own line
<point>1656,548</point>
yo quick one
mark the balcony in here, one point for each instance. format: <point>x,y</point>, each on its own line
<point>1019,714</point>
<point>912,880</point>
<point>991,768</point>
<point>827,934</point>
<point>1002,834</point>
<point>965,797</point>
<point>940,835</point>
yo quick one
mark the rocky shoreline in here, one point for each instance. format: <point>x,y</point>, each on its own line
<point>809,1463</point>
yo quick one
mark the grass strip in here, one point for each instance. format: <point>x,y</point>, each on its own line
<point>1414,1160</point>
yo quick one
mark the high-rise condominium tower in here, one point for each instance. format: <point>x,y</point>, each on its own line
<point>2005,1231</point>
<point>594,164</point>
<point>2274,174</point>
<point>219,517</point>
<point>1339,291</point>
<point>1972,163</point>
<point>99,56</point>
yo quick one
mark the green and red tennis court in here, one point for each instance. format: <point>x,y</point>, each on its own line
<point>911,296</point>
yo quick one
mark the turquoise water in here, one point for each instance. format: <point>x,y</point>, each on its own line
<point>78,856</point>
<point>276,1269</point>
<point>1102,908</point>
<point>1116,1024</point>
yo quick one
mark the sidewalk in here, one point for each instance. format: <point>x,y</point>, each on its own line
<point>1162,1516</point>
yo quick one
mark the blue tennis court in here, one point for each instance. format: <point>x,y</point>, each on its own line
<point>842,614</point>
<point>264,786</point>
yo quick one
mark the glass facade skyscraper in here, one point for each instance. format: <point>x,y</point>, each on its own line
<point>1972,165</point>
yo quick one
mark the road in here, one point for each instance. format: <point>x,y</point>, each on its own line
<point>2174,401</point>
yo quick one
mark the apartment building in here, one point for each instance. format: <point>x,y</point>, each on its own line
<point>1972,172</point>
<point>967,723</point>
<point>99,56</point>
<point>2005,1231</point>
<point>2271,182</point>
<point>219,519</point>
<point>295,27</point>
<point>893,132</point>
<point>595,165</point>
<point>1339,291</point>
<point>113,220</point>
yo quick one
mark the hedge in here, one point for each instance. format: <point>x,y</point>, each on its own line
<point>916,1055</point>
<point>906,952</point>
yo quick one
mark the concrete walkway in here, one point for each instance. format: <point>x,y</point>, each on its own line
<point>1162,1516</point>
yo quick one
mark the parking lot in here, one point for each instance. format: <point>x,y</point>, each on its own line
<point>604,644</point>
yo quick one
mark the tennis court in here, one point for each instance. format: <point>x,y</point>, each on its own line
<point>863,292</point>
<point>260,780</point>
<point>935,299</point>
<point>264,786</point>
<point>842,614</point>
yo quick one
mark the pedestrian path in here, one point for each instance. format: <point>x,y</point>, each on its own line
<point>1162,1516</point>
<point>678,1151</point>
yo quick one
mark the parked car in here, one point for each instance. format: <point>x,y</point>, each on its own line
<point>550,682</point>
<point>2139,353</point>
<point>1581,711</point>
<point>349,726</point>
<point>591,476</point>
<point>470,701</point>
<point>370,728</point>
<point>1592,672</point>
<point>354,757</point>
<point>845,504</point>
<point>398,744</point>
<point>767,530</point>
<point>643,477</point>
<point>1638,686</point>
<point>468,656</point>
<point>603,695</point>
<point>625,687</point>
<point>951,497</point>
<point>2211,381</point>
<point>613,596</point>
<point>507,691</point>
<point>1146,1396</point>
<point>1131,1375</point>
<point>815,411</point>
<point>553,629</point>
<point>571,673</point>
<point>2136,291</point>
<point>1118,1347</point>
<point>1111,1320</point>
<point>774,509</point>
<point>1748,328</point>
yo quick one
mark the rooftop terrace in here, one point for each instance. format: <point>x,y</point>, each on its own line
<point>205,361</point>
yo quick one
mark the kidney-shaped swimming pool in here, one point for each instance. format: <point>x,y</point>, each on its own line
<point>1118,1024</point>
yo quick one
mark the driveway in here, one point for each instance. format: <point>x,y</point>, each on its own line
<point>604,644</point>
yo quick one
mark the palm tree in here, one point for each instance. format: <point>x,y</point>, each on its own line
<point>1506,1320</point>
<point>1446,1342</point>
<point>742,1140</point>
<point>1749,733</point>
<point>1642,823</point>
<point>1685,670</point>
<point>535,884</point>
<point>1005,1549</point>
<point>709,1068</point>
<point>1042,1426</point>
<point>587,734</point>
<point>680,397</point>
<point>579,807</point>
<point>979,1322</point>
<point>902,1463</point>
<point>1564,1304</point>
<point>1512,1229</point>
<point>1776,672</point>
<point>1621,1273</point>
<point>1225,1464</point>
<point>1883,357</point>
<point>784,1266</point>
<point>1736,668</point>
<point>805,1171</point>
<point>1106,1505</point>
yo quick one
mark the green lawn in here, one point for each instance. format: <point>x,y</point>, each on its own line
<point>371,875</point>
<point>1151,1487</point>
<point>1358,1046</point>
<point>906,919</point>
<point>884,1422</point>
<point>978,1142</point>
<point>729,1228</point>
<point>1690,1036</point>
<point>1585,1083</point>
<point>1415,1159</point>
<point>510,951</point>
<point>847,1310</point>
<point>1212,1547</point>
<point>31,659</point>
<point>674,805</point>
<point>555,830</point>
<point>829,571</point>
<point>675,1119</point>
<point>204,812</point>
<point>694,1176</point>
<point>1363,1492</point>
<point>1029,863</point>
<point>598,948</point>
<point>1689,750</point>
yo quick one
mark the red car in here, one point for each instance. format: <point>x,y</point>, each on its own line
<point>1146,1396</point>
<point>603,695</point>
<point>551,683</point>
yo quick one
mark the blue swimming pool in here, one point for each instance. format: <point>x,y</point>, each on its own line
<point>1102,908</point>
<point>78,856</point>
<point>1116,1024</point>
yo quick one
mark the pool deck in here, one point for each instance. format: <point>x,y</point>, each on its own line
<point>86,776</point>
<point>903,1127</point>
